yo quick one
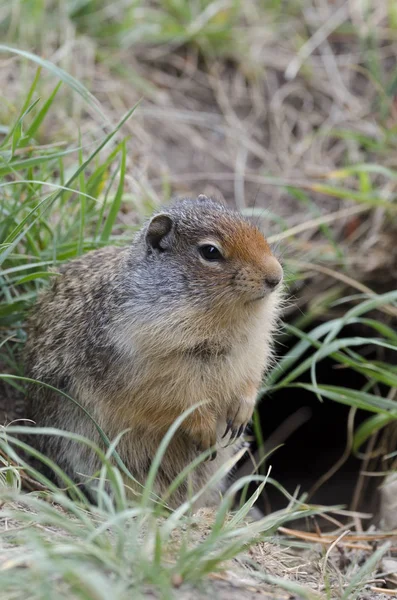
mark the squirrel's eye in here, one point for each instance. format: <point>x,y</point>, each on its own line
<point>210,252</point>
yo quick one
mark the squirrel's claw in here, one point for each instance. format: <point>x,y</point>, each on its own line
<point>238,420</point>
<point>228,428</point>
<point>236,433</point>
<point>241,430</point>
<point>212,456</point>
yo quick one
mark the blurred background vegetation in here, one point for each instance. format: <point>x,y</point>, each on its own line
<point>287,109</point>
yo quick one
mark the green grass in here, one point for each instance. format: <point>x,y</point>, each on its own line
<point>62,192</point>
<point>64,546</point>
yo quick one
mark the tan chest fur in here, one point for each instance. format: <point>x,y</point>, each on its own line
<point>163,378</point>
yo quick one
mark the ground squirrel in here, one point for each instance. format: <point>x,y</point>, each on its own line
<point>138,334</point>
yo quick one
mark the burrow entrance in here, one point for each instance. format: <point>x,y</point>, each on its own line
<point>314,438</point>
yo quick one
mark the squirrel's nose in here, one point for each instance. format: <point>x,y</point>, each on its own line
<point>273,281</point>
<point>274,273</point>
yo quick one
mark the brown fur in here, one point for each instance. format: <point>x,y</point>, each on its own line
<point>138,335</point>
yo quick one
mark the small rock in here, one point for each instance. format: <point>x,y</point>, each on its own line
<point>177,580</point>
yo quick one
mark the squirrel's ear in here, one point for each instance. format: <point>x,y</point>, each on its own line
<point>159,227</point>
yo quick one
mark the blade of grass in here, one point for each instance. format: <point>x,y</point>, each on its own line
<point>115,206</point>
<point>62,75</point>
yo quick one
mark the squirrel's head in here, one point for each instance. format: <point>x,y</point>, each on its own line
<point>217,254</point>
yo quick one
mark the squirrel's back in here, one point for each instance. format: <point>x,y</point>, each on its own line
<point>72,314</point>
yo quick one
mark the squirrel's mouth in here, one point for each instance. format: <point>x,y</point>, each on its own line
<point>257,298</point>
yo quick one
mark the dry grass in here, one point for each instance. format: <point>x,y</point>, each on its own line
<point>282,119</point>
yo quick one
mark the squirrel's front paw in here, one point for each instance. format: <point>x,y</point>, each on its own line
<point>238,418</point>
<point>202,430</point>
<point>204,440</point>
